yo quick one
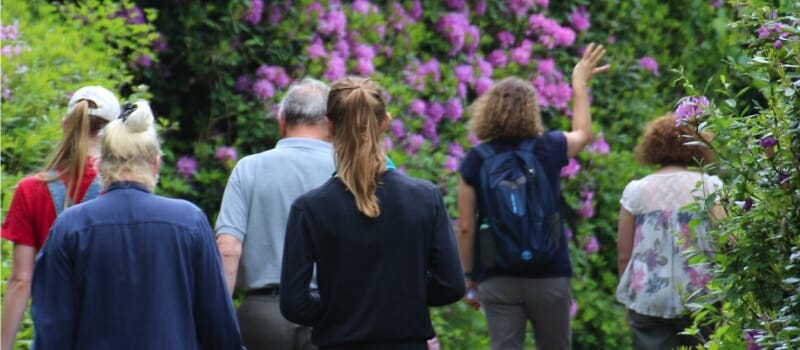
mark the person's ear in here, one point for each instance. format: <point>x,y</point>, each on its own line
<point>157,166</point>
<point>282,125</point>
<point>331,128</point>
<point>386,122</point>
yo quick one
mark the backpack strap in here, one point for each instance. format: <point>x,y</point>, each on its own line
<point>528,145</point>
<point>58,191</point>
<point>485,150</point>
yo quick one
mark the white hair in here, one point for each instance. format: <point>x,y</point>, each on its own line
<point>130,147</point>
<point>306,102</point>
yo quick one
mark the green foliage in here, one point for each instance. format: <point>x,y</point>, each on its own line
<point>755,123</point>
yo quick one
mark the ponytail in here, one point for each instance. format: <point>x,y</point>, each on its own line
<point>357,110</point>
<point>130,147</point>
<point>69,158</point>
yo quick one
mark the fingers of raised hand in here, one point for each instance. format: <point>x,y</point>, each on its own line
<point>596,53</point>
<point>601,69</point>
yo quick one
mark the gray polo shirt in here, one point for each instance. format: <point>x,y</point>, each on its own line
<point>257,199</point>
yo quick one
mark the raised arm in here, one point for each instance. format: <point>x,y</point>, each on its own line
<point>586,68</point>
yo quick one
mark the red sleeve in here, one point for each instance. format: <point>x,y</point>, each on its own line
<point>19,226</point>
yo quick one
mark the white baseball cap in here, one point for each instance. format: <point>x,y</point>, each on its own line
<point>107,105</point>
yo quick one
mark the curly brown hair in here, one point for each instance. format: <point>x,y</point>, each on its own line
<point>664,143</point>
<point>510,109</point>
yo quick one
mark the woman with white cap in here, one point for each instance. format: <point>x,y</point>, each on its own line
<point>70,176</point>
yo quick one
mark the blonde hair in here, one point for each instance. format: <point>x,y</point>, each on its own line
<point>357,111</point>
<point>68,159</point>
<point>509,109</point>
<point>130,147</point>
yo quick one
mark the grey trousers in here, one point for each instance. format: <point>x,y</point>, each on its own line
<point>264,328</point>
<point>656,333</point>
<point>509,303</point>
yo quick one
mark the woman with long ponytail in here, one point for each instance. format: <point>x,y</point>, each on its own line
<point>382,242</point>
<point>130,269</point>
<point>70,176</point>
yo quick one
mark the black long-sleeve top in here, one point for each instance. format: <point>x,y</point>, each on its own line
<point>376,276</point>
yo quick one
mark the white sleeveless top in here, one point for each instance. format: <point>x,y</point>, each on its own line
<point>658,275</point>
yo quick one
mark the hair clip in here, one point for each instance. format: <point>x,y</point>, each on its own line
<point>127,110</point>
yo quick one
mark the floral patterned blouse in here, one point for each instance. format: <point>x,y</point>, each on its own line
<point>658,276</point>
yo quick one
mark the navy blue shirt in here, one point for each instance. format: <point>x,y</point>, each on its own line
<point>132,270</point>
<point>376,276</point>
<point>551,150</point>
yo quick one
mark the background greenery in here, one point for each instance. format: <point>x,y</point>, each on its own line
<point>189,58</point>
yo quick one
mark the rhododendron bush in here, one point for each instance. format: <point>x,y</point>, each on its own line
<point>216,71</point>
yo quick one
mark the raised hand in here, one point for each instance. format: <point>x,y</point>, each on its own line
<point>587,67</point>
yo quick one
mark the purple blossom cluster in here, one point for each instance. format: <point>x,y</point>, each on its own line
<point>775,31</point>
<point>226,154</point>
<point>521,7</point>
<point>571,169</point>
<point>551,34</point>
<point>186,166</point>
<point>267,78</point>
<point>254,12</point>
<point>599,146</point>
<point>649,63</point>
<point>553,91</point>
<point>416,73</point>
<point>586,209</point>
<point>8,36</point>
<point>580,19</point>
<point>459,33</point>
<point>592,245</point>
<point>690,108</point>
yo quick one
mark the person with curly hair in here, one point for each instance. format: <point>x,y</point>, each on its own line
<point>506,116</point>
<point>654,236</point>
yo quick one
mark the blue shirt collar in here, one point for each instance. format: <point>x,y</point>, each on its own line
<point>303,142</point>
<point>127,184</point>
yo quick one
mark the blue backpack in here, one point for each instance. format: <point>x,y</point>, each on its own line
<point>520,226</point>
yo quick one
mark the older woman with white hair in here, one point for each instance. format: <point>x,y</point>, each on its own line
<point>130,269</point>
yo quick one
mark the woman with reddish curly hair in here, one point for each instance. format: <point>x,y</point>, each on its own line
<point>654,237</point>
<point>507,118</point>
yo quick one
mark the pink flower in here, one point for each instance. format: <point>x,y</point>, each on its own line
<point>397,128</point>
<point>587,208</point>
<point>242,83</point>
<point>453,109</point>
<point>275,15</point>
<point>568,233</point>
<point>388,145</point>
<point>435,111</point>
<point>455,150</point>
<point>342,49</point>
<point>334,22</point>
<point>480,7</point>
<point>143,61</point>
<point>364,51</point>
<point>580,19</point>
<point>363,7</point>
<point>418,106</point>
<point>497,58</point>
<point>316,49</point>
<point>522,55</point>
<point>226,154</point>
<point>612,39</point>
<point>506,39</point>
<point>263,89</point>
<point>336,68</point>
<point>649,63</point>
<point>483,84</point>
<point>592,246</point>
<point>571,169</point>
<point>473,139</point>
<point>9,32</point>
<point>414,143</point>
<point>253,15</point>
<point>187,166</point>
<point>450,163</point>
<point>547,67</point>
<point>599,146</point>
<point>464,73</point>
<point>690,108</point>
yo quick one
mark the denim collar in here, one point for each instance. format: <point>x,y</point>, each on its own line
<point>127,184</point>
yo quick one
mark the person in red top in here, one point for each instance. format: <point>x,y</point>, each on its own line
<point>69,177</point>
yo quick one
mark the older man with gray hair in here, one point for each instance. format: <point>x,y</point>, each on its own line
<point>255,206</point>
